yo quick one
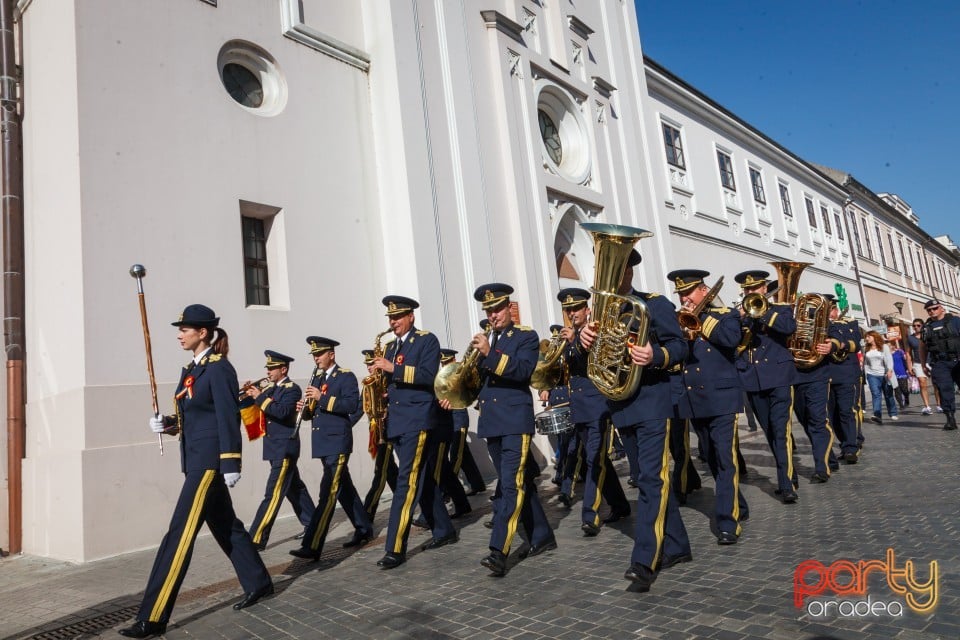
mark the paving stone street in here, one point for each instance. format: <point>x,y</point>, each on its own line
<point>903,495</point>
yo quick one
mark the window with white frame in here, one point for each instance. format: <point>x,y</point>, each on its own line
<point>756,183</point>
<point>883,256</point>
<point>893,255</point>
<point>866,238</point>
<point>785,200</point>
<point>856,235</point>
<point>673,145</point>
<point>726,170</point>
<point>811,214</point>
<point>825,217</point>
<point>838,221</point>
<point>903,256</point>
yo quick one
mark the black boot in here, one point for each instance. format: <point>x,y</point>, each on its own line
<point>951,423</point>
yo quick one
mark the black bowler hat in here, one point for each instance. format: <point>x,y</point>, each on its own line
<point>199,316</point>
<point>319,345</point>
<point>634,259</point>
<point>753,278</point>
<point>572,297</point>
<point>555,329</point>
<point>932,302</point>
<point>686,279</point>
<point>447,355</point>
<point>399,305</point>
<point>276,359</point>
<point>492,295</point>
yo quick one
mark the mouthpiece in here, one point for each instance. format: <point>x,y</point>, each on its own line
<point>138,271</point>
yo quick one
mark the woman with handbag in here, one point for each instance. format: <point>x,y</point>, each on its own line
<point>878,370</point>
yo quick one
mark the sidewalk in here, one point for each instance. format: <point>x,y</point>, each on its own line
<point>902,495</point>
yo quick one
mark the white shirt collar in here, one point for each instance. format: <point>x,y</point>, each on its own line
<point>197,358</point>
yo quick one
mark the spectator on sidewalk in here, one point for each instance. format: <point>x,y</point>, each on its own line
<point>878,370</point>
<point>901,369</point>
<point>914,347</point>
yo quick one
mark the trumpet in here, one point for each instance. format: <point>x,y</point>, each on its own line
<point>690,320</point>
<point>459,382</point>
<point>261,384</point>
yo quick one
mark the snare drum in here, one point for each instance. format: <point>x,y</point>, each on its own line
<point>554,421</point>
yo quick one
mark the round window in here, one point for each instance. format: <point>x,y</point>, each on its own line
<point>563,132</point>
<point>251,77</point>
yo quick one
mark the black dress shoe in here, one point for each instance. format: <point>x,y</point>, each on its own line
<point>459,513</point>
<point>496,562</point>
<point>726,538</point>
<point>537,549</point>
<point>589,529</point>
<point>300,535</point>
<point>488,524</point>
<point>641,576</point>
<point>306,553</point>
<point>391,560</point>
<point>818,478</point>
<point>420,522</point>
<point>253,597</point>
<point>789,497</point>
<point>668,561</point>
<point>851,458</point>
<point>834,466</point>
<point>565,500</point>
<point>436,543</point>
<point>144,629</point>
<point>616,516</point>
<point>631,482</point>
<point>358,540</point>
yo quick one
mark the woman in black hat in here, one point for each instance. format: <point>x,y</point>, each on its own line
<point>207,419</point>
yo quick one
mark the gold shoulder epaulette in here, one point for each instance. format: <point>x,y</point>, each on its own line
<point>287,385</point>
<point>653,295</point>
<point>423,333</point>
<point>522,327</point>
<point>719,309</point>
<point>214,357</point>
<point>342,370</point>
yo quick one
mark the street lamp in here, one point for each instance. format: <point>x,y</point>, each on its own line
<point>899,306</point>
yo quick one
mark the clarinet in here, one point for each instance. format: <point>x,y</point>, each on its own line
<point>296,429</point>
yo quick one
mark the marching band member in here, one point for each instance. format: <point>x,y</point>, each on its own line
<point>568,449</point>
<point>278,402</point>
<point>713,396</point>
<point>507,360</point>
<point>684,479</point>
<point>444,475</point>
<point>660,538</point>
<point>846,409</point>
<point>768,373</point>
<point>410,362</point>
<point>811,399</point>
<point>591,415</point>
<point>330,401</point>
<point>207,419</point>
<point>384,466</point>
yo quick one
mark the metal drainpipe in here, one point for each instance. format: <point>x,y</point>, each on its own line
<point>11,192</point>
<point>854,255</point>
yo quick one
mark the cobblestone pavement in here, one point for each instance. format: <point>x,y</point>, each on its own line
<point>903,495</point>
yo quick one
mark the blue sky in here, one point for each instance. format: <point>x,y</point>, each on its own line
<point>871,87</point>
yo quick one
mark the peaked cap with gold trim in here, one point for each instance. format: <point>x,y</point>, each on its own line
<point>753,278</point>
<point>319,345</point>
<point>686,279</point>
<point>572,297</point>
<point>276,359</point>
<point>492,295</point>
<point>399,305</point>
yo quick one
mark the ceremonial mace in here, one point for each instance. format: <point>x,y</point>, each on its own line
<point>138,271</point>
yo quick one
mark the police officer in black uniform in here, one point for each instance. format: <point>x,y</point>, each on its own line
<point>329,402</point>
<point>207,420</point>
<point>278,402</point>
<point>941,335</point>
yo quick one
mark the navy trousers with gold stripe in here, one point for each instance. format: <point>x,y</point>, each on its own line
<point>284,482</point>
<point>844,414</point>
<point>658,530</point>
<point>772,408</point>
<point>203,498</point>
<point>720,438</point>
<point>812,399</point>
<point>416,484</point>
<point>335,486</point>
<point>461,459</point>
<point>601,480</point>
<point>518,502</point>
<point>685,478</point>
<point>449,481</point>
<point>384,473</point>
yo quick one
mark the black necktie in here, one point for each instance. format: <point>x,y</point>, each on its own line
<point>493,342</point>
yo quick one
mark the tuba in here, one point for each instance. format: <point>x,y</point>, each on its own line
<point>620,321</point>
<point>549,370</point>
<point>811,310</point>
<point>459,382</point>
<point>690,320</point>
<point>374,394</point>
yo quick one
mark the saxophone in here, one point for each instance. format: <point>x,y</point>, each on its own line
<point>621,321</point>
<point>550,366</point>
<point>374,393</point>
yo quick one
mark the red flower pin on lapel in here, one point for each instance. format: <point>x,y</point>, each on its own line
<point>400,360</point>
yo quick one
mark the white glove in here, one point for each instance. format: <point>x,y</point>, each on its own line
<point>231,479</point>
<point>156,424</point>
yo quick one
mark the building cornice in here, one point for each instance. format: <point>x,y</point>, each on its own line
<point>291,18</point>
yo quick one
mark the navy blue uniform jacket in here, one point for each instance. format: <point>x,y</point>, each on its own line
<point>767,363</point>
<point>653,400</point>
<point>506,405</point>
<point>279,404</point>
<point>845,336</point>
<point>711,383</point>
<point>587,404</point>
<point>208,414</point>
<point>332,432</point>
<point>412,405</point>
